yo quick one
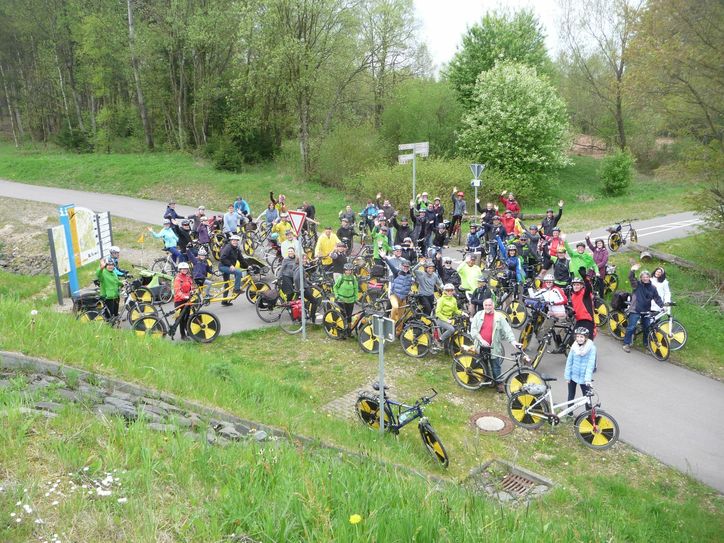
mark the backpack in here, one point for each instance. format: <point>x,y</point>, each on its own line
<point>378,270</point>
<point>620,300</point>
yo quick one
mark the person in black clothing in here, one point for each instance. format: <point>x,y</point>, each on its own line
<point>445,271</point>
<point>230,255</point>
<point>311,212</point>
<point>549,221</point>
<point>346,233</point>
<point>339,259</point>
<point>438,211</point>
<point>419,232</point>
<point>439,237</point>
<point>480,294</point>
<point>402,229</point>
<point>183,232</point>
<point>170,213</point>
<point>408,250</point>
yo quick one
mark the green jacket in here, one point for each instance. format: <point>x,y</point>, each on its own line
<point>501,331</point>
<point>110,284</point>
<point>580,260</point>
<point>447,308</point>
<point>380,241</point>
<point>346,289</point>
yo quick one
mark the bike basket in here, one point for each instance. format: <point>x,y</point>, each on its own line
<point>296,307</point>
<point>536,389</point>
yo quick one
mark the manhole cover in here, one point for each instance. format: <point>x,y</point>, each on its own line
<point>491,423</point>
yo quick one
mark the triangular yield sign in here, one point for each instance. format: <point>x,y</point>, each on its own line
<point>297,220</point>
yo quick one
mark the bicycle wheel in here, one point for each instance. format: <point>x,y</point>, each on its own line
<point>517,315</point>
<point>254,289</point>
<point>268,310</point>
<point>90,315</point>
<point>523,376</point>
<point>248,245</point>
<point>291,318</point>
<point>165,292</point>
<point>600,311</point>
<point>150,326</point>
<point>658,344</point>
<point>164,265</point>
<point>633,236</point>
<point>142,295</point>
<point>416,340</point>
<point>365,336</point>
<point>610,283</point>
<point>675,333</point>
<point>617,323</point>
<point>433,444</point>
<point>140,310</point>
<point>460,344</point>
<point>532,418</point>
<point>599,432</point>
<point>469,373</point>
<point>614,241</point>
<point>526,335</point>
<point>217,243</point>
<point>333,323</point>
<point>203,327</point>
<point>367,408</point>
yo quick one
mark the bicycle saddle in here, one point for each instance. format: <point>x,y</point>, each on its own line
<point>376,386</point>
<point>548,378</point>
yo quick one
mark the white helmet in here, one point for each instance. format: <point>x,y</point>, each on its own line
<point>183,266</point>
<point>448,286</point>
<point>115,249</point>
<point>549,277</point>
<point>234,237</point>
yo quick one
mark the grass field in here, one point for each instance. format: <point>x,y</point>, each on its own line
<point>201,494</point>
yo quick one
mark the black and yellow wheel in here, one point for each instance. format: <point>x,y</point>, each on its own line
<point>433,444</point>
<point>333,323</point>
<point>524,376</point>
<point>658,345</point>
<point>526,334</point>
<point>141,295</point>
<point>617,323</point>
<point>217,242</point>
<point>598,432</point>
<point>610,283</point>
<point>522,414</point>
<point>460,344</point>
<point>165,292</point>
<point>203,327</point>
<point>675,333</point>
<point>365,336</point>
<point>633,236</point>
<point>517,315</point>
<point>469,373</point>
<point>90,315</point>
<point>150,326</point>
<point>254,288</point>
<point>614,241</point>
<point>416,340</point>
<point>140,310</point>
<point>600,312</point>
<point>248,245</point>
<point>367,408</point>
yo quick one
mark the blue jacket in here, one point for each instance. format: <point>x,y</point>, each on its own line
<point>241,207</point>
<point>401,285</point>
<point>170,239</point>
<point>642,295</point>
<point>512,263</point>
<point>579,368</point>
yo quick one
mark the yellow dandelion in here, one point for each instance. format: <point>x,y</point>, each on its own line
<point>355,519</point>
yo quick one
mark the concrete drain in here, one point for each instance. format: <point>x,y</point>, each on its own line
<point>491,423</point>
<point>506,482</point>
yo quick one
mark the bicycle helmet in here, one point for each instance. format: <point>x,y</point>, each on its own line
<point>533,228</point>
<point>404,262</point>
<point>581,331</point>
<point>167,221</point>
<point>202,208</point>
<point>512,247</point>
<point>556,229</point>
<point>447,260</point>
<point>441,226</point>
<point>183,266</point>
<point>202,252</point>
<point>549,210</point>
<point>349,266</point>
<point>549,277</point>
<point>580,244</point>
<point>274,236</point>
<point>110,262</point>
<point>429,264</point>
<point>115,249</point>
<point>234,237</point>
<point>461,193</point>
<point>448,286</point>
<point>474,225</point>
<point>185,222</point>
<point>397,248</point>
<point>576,280</point>
<point>496,218</point>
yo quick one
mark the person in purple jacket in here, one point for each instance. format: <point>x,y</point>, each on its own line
<point>600,257</point>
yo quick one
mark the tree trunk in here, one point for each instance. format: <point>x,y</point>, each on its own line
<point>62,92</point>
<point>10,107</point>
<point>619,118</point>
<point>137,79</point>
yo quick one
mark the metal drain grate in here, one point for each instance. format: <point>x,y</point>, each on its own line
<point>517,485</point>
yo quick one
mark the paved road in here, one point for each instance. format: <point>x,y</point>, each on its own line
<point>663,410</point>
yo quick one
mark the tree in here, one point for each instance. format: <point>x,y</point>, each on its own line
<point>498,37</point>
<point>518,125</point>
<point>148,132</point>
<point>599,33</point>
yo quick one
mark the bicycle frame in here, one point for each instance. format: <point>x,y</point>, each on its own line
<point>572,405</point>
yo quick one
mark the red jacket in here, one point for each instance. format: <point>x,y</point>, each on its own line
<point>511,205</point>
<point>182,286</point>
<point>509,223</point>
<point>553,245</point>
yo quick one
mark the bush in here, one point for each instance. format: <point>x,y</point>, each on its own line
<point>347,151</point>
<point>74,140</point>
<point>616,172</point>
<point>518,126</point>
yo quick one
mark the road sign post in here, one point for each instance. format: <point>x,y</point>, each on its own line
<point>297,219</point>
<point>477,170</point>
<point>422,149</point>
<point>384,330</point>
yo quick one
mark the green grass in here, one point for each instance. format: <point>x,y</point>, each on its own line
<point>165,176</point>
<point>268,376</point>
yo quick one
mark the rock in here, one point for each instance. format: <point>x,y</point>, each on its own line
<point>32,412</point>
<point>153,409</point>
<point>542,457</point>
<point>180,421</point>
<point>118,408</point>
<point>68,395</point>
<point>161,404</point>
<point>243,430</point>
<point>260,435</point>
<point>196,421</point>
<point>504,497</point>
<point>156,427</point>
<point>222,441</point>
<point>118,402</point>
<point>229,432</point>
<point>122,395</point>
<point>49,406</point>
<point>539,489</point>
<point>192,435</point>
<point>148,415</point>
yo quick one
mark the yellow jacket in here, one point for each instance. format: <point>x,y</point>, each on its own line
<point>447,308</point>
<point>281,228</point>
<point>326,245</point>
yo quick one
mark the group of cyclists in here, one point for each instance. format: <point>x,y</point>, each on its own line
<point>404,251</point>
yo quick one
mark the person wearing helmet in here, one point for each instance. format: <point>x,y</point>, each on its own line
<point>582,301</point>
<point>480,294</point>
<point>439,238</point>
<point>445,310</point>
<point>231,255</point>
<point>510,203</point>
<point>183,233</point>
<point>561,266</point>
<point>513,263</point>
<point>114,255</point>
<point>346,292</point>
<point>381,245</point>
<point>339,259</point>
<point>489,329</point>
<point>182,287</point>
<point>110,291</point>
<point>472,241</point>
<point>508,221</point>
<point>445,270</point>
<point>202,269</point>
<point>346,233</point>
<point>170,240</point>
<point>600,257</point>
<point>459,208</point>
<point>283,225</point>
<point>427,281</point>
<point>421,228</point>
<point>580,363</point>
<point>288,273</point>
<point>487,213</point>
<point>402,228</point>
<point>400,286</point>
<point>554,296</point>
<point>550,221</point>
<point>579,258</point>
<point>642,295</point>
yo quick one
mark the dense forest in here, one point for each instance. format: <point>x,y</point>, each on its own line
<point>339,83</point>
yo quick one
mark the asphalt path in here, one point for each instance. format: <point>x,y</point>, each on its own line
<point>663,410</point>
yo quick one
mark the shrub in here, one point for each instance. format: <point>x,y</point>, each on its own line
<point>616,172</point>
<point>74,140</point>
<point>347,151</point>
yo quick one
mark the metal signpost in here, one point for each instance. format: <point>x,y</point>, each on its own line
<point>477,169</point>
<point>384,330</point>
<point>421,148</point>
<point>297,219</point>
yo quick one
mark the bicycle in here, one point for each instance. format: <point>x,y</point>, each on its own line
<point>616,239</point>
<point>165,264</point>
<point>533,405</point>
<point>472,371</point>
<point>418,338</point>
<point>657,342</point>
<point>202,326</point>
<point>272,306</point>
<point>90,307</point>
<point>675,331</point>
<point>251,284</point>
<point>335,326</point>
<point>367,408</point>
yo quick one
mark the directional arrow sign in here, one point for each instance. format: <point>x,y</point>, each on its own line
<point>477,169</point>
<point>404,159</point>
<point>297,220</point>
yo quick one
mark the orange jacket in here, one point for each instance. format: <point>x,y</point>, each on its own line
<point>182,286</point>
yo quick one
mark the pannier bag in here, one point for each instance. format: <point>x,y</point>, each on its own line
<point>620,300</point>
